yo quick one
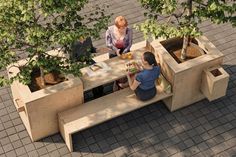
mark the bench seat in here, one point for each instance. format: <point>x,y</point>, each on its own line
<point>100,110</point>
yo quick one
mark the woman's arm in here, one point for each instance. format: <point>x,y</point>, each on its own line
<point>133,83</point>
<point>109,39</point>
<point>130,40</point>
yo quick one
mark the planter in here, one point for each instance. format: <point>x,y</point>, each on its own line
<point>214,83</point>
<point>38,110</point>
<point>186,77</point>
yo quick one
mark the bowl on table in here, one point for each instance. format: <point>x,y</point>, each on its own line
<point>126,56</point>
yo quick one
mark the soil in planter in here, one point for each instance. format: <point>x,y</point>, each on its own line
<point>50,79</point>
<point>192,52</point>
<point>216,72</point>
<point>174,47</point>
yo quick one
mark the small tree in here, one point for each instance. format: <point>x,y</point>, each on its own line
<point>36,26</point>
<point>181,18</point>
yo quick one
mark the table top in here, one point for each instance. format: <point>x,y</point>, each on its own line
<point>118,70</point>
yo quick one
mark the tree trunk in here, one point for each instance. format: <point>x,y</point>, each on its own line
<point>184,48</point>
<point>42,77</point>
<point>186,39</point>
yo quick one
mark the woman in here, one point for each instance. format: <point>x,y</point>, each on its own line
<point>119,37</point>
<point>143,83</point>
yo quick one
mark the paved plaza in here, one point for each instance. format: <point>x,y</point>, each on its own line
<point>202,129</point>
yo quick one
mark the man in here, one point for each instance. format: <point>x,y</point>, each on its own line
<point>82,50</point>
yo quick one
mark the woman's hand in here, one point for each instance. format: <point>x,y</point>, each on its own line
<point>118,52</point>
<point>139,66</point>
<point>133,84</point>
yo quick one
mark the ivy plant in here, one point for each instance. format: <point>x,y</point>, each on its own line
<point>36,26</point>
<point>173,18</point>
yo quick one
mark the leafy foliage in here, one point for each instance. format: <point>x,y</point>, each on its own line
<point>169,18</point>
<point>36,26</point>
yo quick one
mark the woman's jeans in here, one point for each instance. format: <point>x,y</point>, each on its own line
<point>145,94</point>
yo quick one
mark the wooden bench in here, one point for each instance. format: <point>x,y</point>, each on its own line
<point>100,110</point>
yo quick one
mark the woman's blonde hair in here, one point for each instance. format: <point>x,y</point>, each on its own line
<point>120,21</point>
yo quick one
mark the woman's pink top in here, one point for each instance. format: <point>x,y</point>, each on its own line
<point>120,44</point>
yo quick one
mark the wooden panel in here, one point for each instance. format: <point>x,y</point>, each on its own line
<point>104,108</point>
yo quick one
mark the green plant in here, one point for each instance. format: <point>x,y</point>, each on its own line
<point>172,18</point>
<point>37,26</point>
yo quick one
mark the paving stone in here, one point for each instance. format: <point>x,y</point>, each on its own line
<point>16,121</point>
<point>1,150</point>
<point>8,124</point>
<point>5,118</point>
<point>14,137</point>
<point>63,151</point>
<point>2,155</point>
<point>14,115</point>
<point>33,154</point>
<point>189,142</point>
<point>11,154</point>
<point>38,144</point>
<point>57,138</point>
<point>8,147</point>
<point>29,147</point>
<point>20,151</point>
<point>26,141</point>
<point>51,147</point>
<point>20,128</point>
<point>11,131</point>
<point>41,151</point>
<point>5,141</point>
<point>181,146</point>
<point>23,134</point>
<point>197,139</point>
<point>17,144</point>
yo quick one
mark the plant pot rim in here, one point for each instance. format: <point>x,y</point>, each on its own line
<point>29,96</point>
<point>212,53</point>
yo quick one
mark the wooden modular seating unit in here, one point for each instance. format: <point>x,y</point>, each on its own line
<point>186,78</point>
<point>103,109</point>
<point>38,110</point>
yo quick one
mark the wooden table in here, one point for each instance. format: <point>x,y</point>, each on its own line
<point>118,70</point>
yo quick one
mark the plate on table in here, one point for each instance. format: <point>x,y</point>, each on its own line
<point>132,67</point>
<point>96,69</point>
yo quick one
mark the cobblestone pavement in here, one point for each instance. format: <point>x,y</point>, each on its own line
<point>202,129</point>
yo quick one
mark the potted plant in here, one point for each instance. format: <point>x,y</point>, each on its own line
<point>46,82</point>
<point>183,62</point>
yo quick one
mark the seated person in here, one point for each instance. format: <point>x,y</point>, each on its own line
<point>143,82</point>
<point>119,37</point>
<point>81,51</point>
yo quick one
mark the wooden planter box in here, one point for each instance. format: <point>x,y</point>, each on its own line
<point>214,83</point>
<point>38,110</point>
<point>186,77</point>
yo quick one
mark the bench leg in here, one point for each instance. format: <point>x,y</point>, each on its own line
<point>68,141</point>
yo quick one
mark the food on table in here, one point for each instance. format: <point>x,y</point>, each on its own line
<point>126,56</point>
<point>131,67</point>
